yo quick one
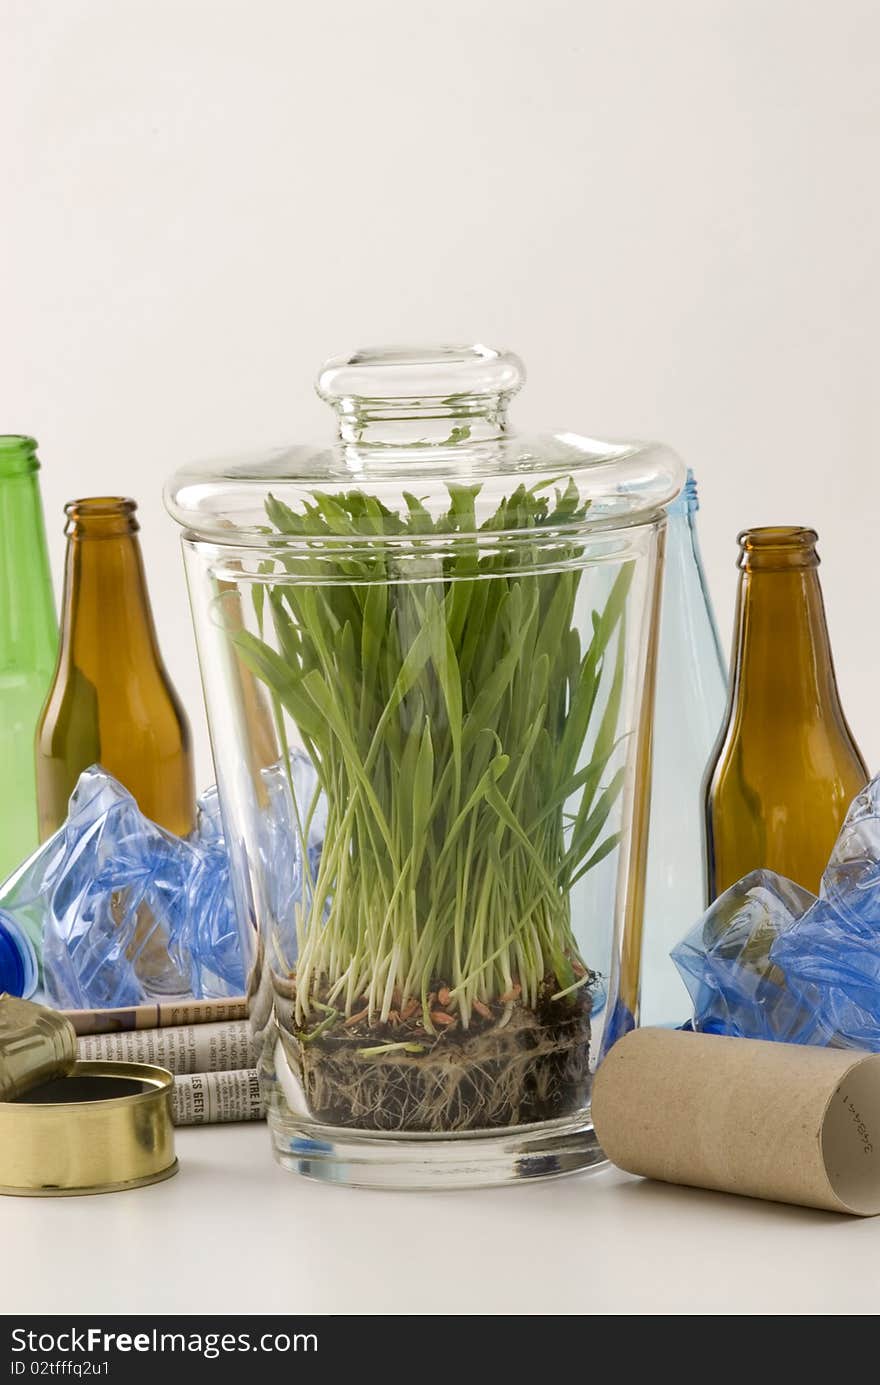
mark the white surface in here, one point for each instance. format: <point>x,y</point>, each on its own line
<point>232,1232</point>
<point>671,211</point>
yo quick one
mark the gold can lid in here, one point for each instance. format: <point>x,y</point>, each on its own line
<point>36,1044</point>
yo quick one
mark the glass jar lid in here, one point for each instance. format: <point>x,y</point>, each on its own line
<point>413,426</point>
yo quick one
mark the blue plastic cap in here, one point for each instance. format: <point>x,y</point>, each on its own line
<point>19,969</point>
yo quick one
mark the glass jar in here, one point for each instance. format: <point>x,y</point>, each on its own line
<point>428,658</point>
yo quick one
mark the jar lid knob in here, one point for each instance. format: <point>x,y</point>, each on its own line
<point>389,384</point>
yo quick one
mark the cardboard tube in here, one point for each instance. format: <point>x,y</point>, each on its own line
<point>777,1121</point>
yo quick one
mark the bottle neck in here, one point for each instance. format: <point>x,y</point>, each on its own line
<point>105,585</point>
<point>782,661</point>
<point>682,545</point>
<point>28,629</point>
<point>687,604</point>
<point>687,502</point>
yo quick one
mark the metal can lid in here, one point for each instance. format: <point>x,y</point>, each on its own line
<point>36,1044</point>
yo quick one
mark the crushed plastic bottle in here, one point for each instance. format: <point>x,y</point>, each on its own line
<point>769,960</point>
<point>118,911</point>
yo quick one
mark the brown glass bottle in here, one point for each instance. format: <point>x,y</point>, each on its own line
<point>111,701</point>
<point>786,766</point>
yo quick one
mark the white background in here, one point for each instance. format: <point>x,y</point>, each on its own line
<point>671,211</point>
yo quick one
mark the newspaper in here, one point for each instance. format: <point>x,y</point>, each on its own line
<point>206,1098</point>
<point>162,1014</point>
<point>191,1048</point>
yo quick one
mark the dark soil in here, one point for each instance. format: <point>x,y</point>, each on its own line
<point>513,1066</point>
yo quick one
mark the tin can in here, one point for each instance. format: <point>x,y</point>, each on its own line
<point>99,1128</point>
<point>68,1128</point>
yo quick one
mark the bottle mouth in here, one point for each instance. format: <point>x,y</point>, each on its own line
<point>777,548</point>
<point>19,968</point>
<point>100,516</point>
<point>18,455</point>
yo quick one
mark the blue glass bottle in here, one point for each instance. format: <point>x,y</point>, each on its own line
<point>690,701</point>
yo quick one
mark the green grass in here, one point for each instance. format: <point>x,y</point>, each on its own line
<point>442,690</point>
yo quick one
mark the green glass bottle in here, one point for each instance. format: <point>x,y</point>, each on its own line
<point>28,643</point>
